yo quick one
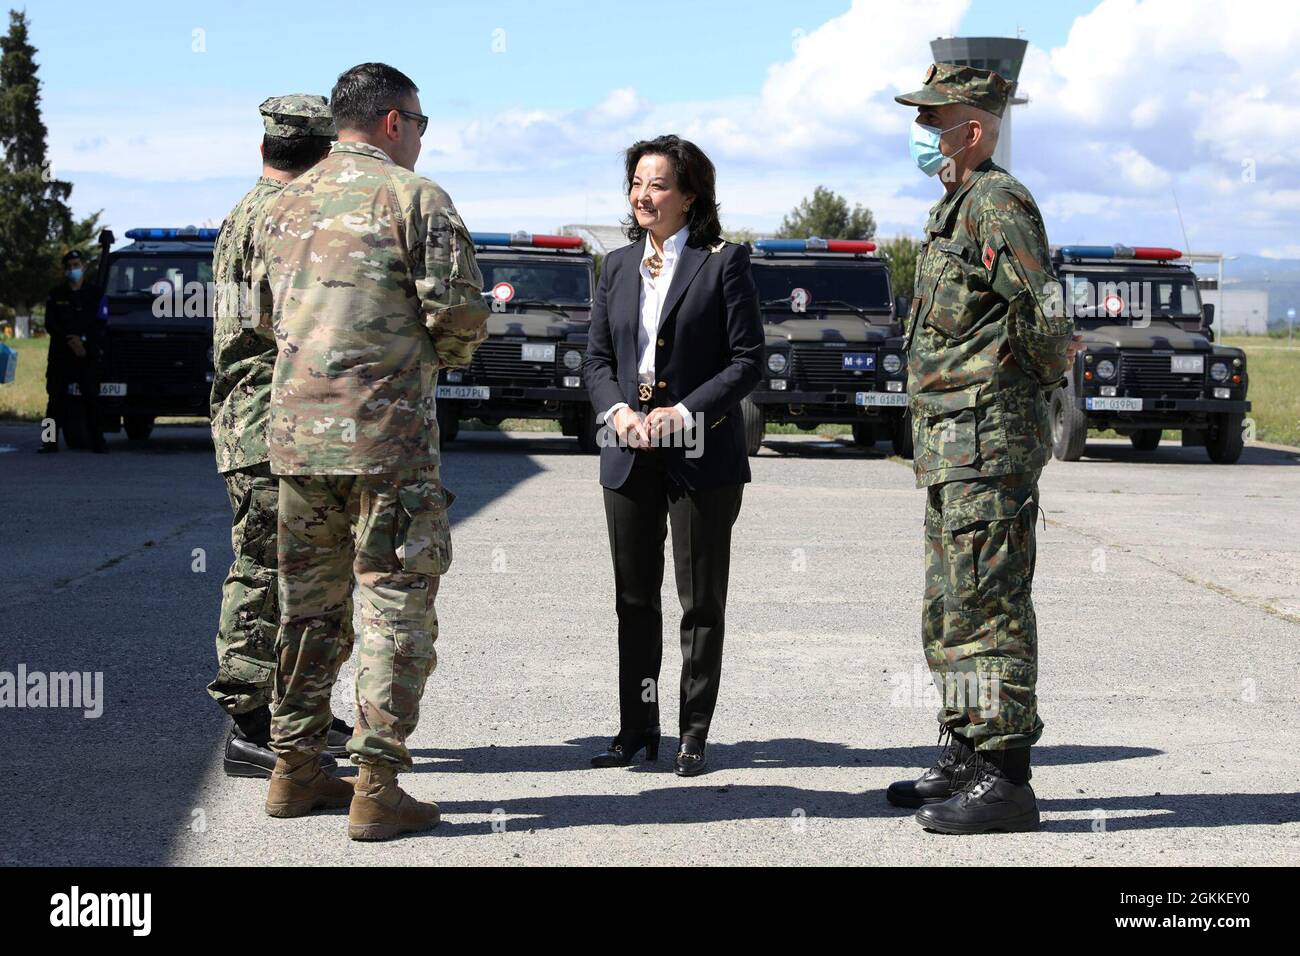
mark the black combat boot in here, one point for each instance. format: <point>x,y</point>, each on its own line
<point>248,746</point>
<point>998,798</point>
<point>941,781</point>
<point>336,741</point>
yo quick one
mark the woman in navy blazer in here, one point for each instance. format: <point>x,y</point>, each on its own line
<point>676,341</point>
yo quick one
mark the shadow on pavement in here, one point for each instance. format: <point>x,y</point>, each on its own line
<point>1171,453</point>
<point>1166,810</point>
<point>747,754</point>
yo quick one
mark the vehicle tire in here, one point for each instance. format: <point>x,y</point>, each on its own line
<point>1069,426</point>
<point>754,425</point>
<point>863,434</point>
<point>1224,441</point>
<point>1146,439</point>
<point>138,427</point>
<point>902,440</point>
<point>587,443</point>
<point>448,424</point>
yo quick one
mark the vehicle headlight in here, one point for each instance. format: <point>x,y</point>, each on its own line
<point>1219,371</point>
<point>776,362</point>
<point>1106,369</point>
<point>572,359</point>
<point>892,362</point>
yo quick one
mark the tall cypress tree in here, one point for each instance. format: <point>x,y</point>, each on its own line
<point>34,214</point>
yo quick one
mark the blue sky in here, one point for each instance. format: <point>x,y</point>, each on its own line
<point>532,102</point>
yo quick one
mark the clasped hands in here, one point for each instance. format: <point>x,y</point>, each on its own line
<point>638,432</point>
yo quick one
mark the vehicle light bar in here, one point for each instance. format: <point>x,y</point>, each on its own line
<point>813,244</point>
<point>1117,251</point>
<point>527,240</point>
<point>171,232</point>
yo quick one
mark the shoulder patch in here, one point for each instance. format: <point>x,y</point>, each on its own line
<point>989,257</point>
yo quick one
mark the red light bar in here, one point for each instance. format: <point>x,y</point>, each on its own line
<point>557,242</point>
<point>849,245</point>
<point>1155,252</point>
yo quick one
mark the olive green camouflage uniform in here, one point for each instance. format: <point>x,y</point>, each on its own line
<point>986,346</point>
<point>242,358</point>
<point>373,284</point>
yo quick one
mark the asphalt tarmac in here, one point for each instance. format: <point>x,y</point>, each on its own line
<point>1168,598</point>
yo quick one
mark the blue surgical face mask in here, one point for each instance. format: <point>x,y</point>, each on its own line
<point>925,147</point>
<point>74,275</point>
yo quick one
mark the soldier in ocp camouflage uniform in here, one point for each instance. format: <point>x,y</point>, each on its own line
<point>297,133</point>
<point>374,287</point>
<point>986,346</point>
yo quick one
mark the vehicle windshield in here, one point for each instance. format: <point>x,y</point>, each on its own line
<point>1111,297</point>
<point>547,282</point>
<point>835,288</point>
<point>147,275</point>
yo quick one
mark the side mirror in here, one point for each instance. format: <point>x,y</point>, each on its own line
<point>1207,314</point>
<point>902,305</point>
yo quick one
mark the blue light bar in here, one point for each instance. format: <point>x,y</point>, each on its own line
<point>781,245</point>
<point>490,238</point>
<point>170,232</point>
<point>1088,252</point>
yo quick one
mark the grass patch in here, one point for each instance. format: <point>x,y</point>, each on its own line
<point>1274,371</point>
<point>23,399</point>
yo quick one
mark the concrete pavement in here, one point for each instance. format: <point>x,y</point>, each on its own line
<point>1168,594</point>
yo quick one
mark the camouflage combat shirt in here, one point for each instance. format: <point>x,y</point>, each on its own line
<point>242,354</point>
<point>986,334</point>
<point>373,287</point>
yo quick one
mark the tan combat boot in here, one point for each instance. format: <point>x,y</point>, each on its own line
<point>381,810</point>
<point>299,786</point>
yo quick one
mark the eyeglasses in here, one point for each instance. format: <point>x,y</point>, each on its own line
<point>419,118</point>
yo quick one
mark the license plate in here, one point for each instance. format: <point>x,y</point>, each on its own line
<point>895,399</point>
<point>112,389</point>
<point>537,353</point>
<point>1188,364</point>
<point>469,392</point>
<point>860,361</point>
<point>1114,404</point>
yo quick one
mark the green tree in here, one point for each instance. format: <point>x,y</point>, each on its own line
<point>827,215</point>
<point>34,214</point>
<point>900,253</point>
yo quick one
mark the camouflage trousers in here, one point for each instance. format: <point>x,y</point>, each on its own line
<point>249,609</point>
<point>977,625</point>
<point>390,535</point>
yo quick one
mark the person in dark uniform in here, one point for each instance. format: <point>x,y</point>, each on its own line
<point>676,342</point>
<point>76,338</point>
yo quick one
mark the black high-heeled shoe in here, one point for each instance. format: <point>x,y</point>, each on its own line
<point>626,746</point>
<point>690,760</point>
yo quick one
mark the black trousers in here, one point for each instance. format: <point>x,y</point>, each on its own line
<point>80,414</point>
<point>637,515</point>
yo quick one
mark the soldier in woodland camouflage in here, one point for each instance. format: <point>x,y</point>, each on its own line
<point>297,133</point>
<point>374,287</point>
<point>986,346</point>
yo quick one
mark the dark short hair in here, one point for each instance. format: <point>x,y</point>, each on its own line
<point>365,92</point>
<point>293,154</point>
<point>694,174</point>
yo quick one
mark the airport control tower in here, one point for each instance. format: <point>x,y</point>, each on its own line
<point>1001,54</point>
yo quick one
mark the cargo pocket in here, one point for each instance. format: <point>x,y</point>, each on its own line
<point>958,289</point>
<point>990,543</point>
<point>413,641</point>
<point>947,440</point>
<point>246,670</point>
<point>423,542</point>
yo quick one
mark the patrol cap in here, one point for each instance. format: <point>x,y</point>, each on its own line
<point>951,83</point>
<point>298,114</point>
<point>70,255</point>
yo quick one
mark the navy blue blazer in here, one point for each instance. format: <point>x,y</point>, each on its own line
<point>709,356</point>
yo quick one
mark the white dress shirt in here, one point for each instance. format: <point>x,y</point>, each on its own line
<point>653,292</point>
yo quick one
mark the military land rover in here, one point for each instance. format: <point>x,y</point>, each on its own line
<point>1149,361</point>
<point>158,347</point>
<point>834,345</point>
<point>539,289</point>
